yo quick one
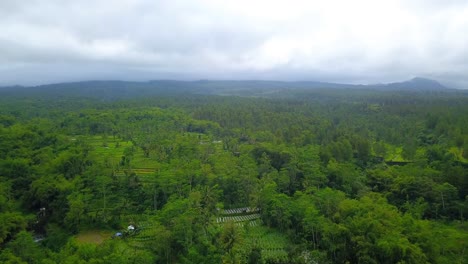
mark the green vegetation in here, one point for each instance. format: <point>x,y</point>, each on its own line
<point>306,176</point>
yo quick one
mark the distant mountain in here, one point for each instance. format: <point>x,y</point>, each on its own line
<point>417,83</point>
<point>112,90</point>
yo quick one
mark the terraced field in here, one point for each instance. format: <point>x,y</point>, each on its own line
<point>106,149</point>
<point>237,218</point>
<point>145,233</point>
<point>110,151</point>
<point>272,243</point>
<point>241,216</point>
<point>239,211</point>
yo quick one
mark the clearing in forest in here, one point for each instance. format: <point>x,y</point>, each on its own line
<point>93,236</point>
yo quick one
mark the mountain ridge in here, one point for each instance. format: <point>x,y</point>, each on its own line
<point>416,82</point>
<point>117,89</point>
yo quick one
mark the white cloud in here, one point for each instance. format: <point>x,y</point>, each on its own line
<point>363,40</point>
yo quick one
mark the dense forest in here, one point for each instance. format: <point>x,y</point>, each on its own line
<point>298,176</point>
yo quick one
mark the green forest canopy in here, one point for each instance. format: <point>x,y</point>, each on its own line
<point>302,176</point>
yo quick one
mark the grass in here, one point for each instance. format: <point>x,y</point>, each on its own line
<point>394,153</point>
<point>109,149</point>
<point>96,237</point>
<point>458,153</point>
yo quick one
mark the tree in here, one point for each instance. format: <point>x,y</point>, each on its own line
<point>24,247</point>
<point>375,232</point>
<point>10,224</point>
<point>380,149</point>
<point>229,239</point>
<point>409,149</point>
<point>362,149</point>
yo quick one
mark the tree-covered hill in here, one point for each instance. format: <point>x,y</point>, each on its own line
<point>114,90</point>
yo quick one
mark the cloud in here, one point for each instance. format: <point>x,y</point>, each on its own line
<point>361,40</point>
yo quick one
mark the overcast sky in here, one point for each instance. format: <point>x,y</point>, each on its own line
<point>358,41</point>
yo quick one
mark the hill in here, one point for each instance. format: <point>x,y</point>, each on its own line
<point>417,83</point>
<point>112,90</point>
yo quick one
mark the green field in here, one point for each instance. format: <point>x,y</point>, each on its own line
<point>106,149</point>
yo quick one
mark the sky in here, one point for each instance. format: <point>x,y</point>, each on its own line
<point>358,41</point>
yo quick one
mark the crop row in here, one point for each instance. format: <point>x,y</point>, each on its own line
<point>238,218</point>
<point>268,244</point>
<point>250,223</point>
<point>239,210</point>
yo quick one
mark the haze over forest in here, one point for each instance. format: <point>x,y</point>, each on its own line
<point>357,42</point>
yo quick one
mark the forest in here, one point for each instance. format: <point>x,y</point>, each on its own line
<point>297,176</point>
